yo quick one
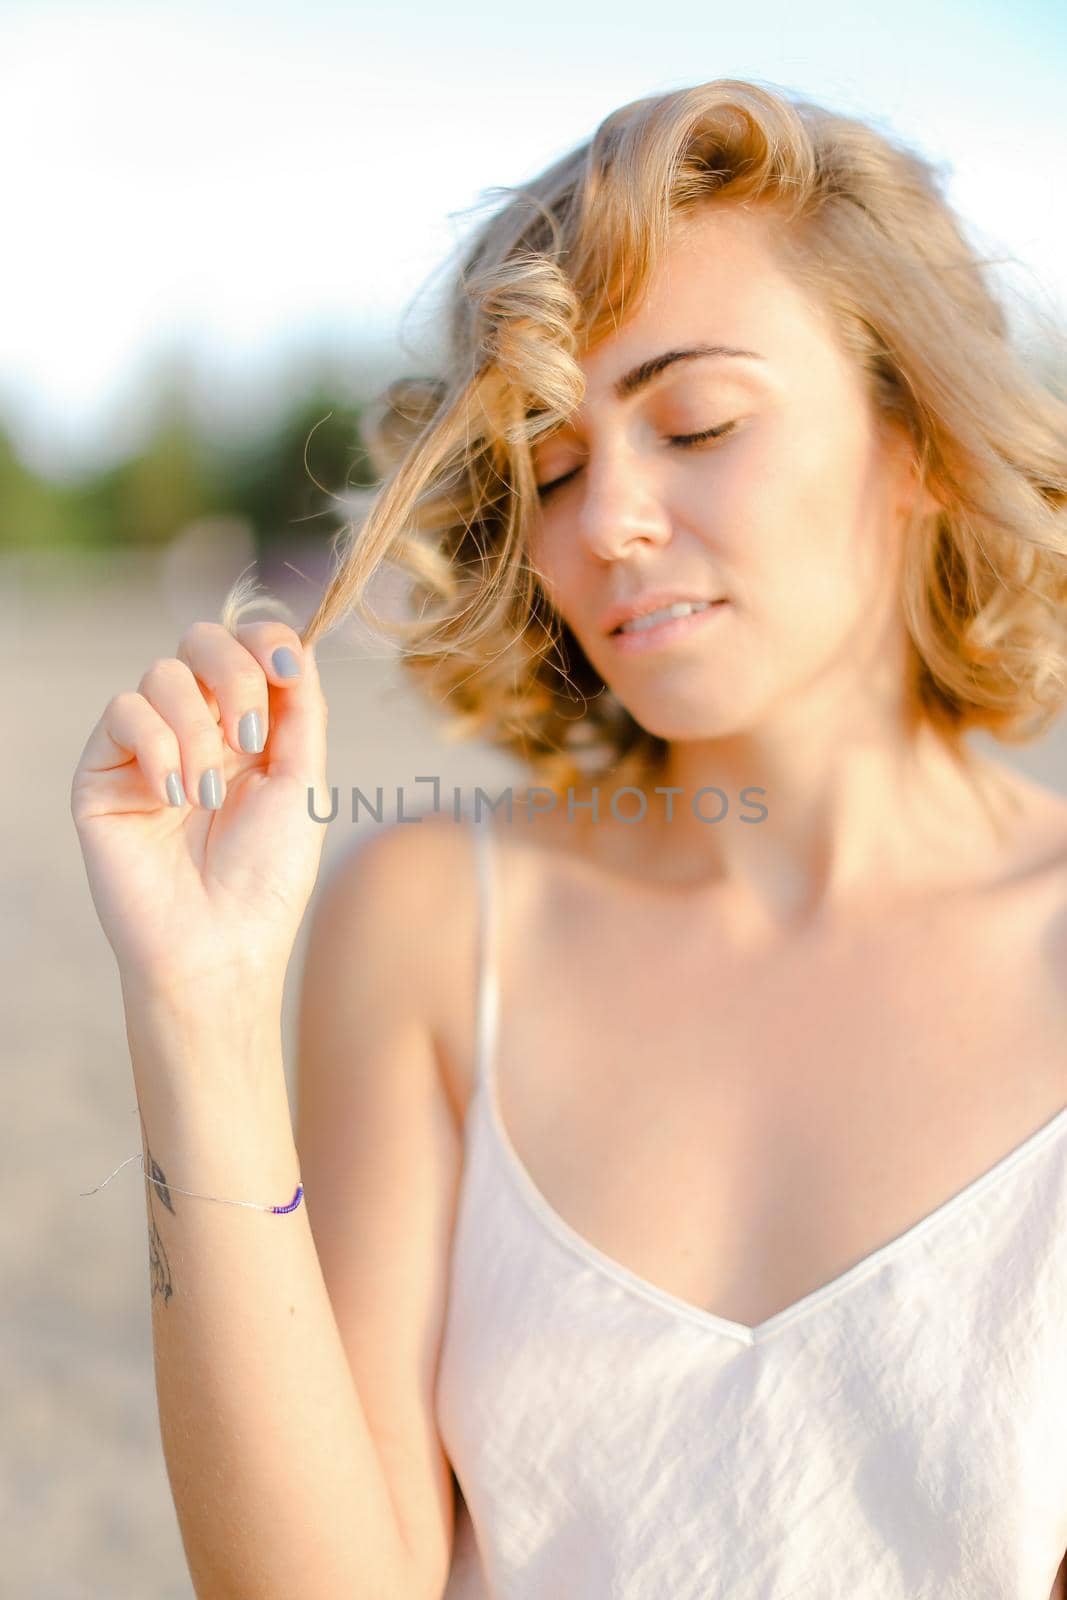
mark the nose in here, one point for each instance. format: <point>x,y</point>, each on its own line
<point>621,505</point>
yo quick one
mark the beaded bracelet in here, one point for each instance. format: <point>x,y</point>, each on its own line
<point>294,1202</point>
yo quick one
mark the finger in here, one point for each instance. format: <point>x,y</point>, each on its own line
<point>171,689</point>
<point>298,742</point>
<point>277,648</point>
<point>209,699</point>
<point>130,733</point>
<point>231,673</point>
<point>298,709</point>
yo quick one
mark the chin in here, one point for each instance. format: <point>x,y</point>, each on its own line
<point>715,703</point>
<point>679,726</point>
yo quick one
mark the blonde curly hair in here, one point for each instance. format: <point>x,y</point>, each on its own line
<point>865,226</point>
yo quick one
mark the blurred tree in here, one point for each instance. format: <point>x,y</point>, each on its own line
<point>283,482</point>
<point>32,511</point>
<point>146,499</point>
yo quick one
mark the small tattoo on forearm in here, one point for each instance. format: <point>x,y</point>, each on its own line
<point>160,1182</point>
<point>158,1260</point>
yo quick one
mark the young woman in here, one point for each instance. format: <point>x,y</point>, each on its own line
<point>697,1205</point>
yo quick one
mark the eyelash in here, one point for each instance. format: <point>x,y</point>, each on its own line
<point>686,441</point>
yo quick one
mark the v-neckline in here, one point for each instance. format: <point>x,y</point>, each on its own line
<point>537,1204</point>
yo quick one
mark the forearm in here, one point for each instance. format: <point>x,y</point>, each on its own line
<point>276,1481</point>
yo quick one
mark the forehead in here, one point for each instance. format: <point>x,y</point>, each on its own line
<point>720,279</point>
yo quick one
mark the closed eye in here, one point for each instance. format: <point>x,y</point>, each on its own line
<point>685,441</point>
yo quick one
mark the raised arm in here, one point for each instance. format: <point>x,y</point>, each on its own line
<point>277,1481</point>
<point>379,1148</point>
<point>287,1478</point>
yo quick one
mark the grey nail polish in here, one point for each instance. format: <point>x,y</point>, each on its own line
<point>211,790</point>
<point>250,732</point>
<point>175,791</point>
<point>285,663</point>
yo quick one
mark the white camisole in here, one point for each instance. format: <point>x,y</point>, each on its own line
<point>899,1433</point>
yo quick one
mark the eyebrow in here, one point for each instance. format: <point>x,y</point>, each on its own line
<point>641,375</point>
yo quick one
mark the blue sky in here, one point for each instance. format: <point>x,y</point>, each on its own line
<point>236,186</point>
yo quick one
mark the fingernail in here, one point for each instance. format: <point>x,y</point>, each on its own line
<point>250,732</point>
<point>211,790</point>
<point>175,792</point>
<point>285,662</point>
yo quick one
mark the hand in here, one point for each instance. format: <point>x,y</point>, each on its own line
<point>209,892</point>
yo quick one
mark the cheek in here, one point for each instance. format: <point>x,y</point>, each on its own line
<point>794,521</point>
<point>747,509</point>
<point>546,553</point>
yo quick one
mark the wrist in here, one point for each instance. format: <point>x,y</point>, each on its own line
<point>205,1040</point>
<point>241,997</point>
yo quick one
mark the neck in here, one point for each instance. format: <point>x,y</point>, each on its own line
<point>859,816</point>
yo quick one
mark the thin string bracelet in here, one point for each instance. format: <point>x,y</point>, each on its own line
<point>254,1205</point>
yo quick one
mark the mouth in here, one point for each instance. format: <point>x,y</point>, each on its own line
<point>652,619</point>
<point>662,627</point>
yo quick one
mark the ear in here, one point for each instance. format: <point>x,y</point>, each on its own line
<point>922,498</point>
<point>916,495</point>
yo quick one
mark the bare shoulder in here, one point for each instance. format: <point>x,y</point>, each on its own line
<point>411,890</point>
<point>1035,823</point>
<point>424,878</point>
<point>420,856</point>
<point>411,886</point>
<point>1030,882</point>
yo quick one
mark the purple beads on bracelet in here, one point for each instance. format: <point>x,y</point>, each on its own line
<point>294,1202</point>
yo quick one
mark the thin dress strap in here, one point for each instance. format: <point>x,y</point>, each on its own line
<point>487,996</point>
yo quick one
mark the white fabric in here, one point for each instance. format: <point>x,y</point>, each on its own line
<point>899,1433</point>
